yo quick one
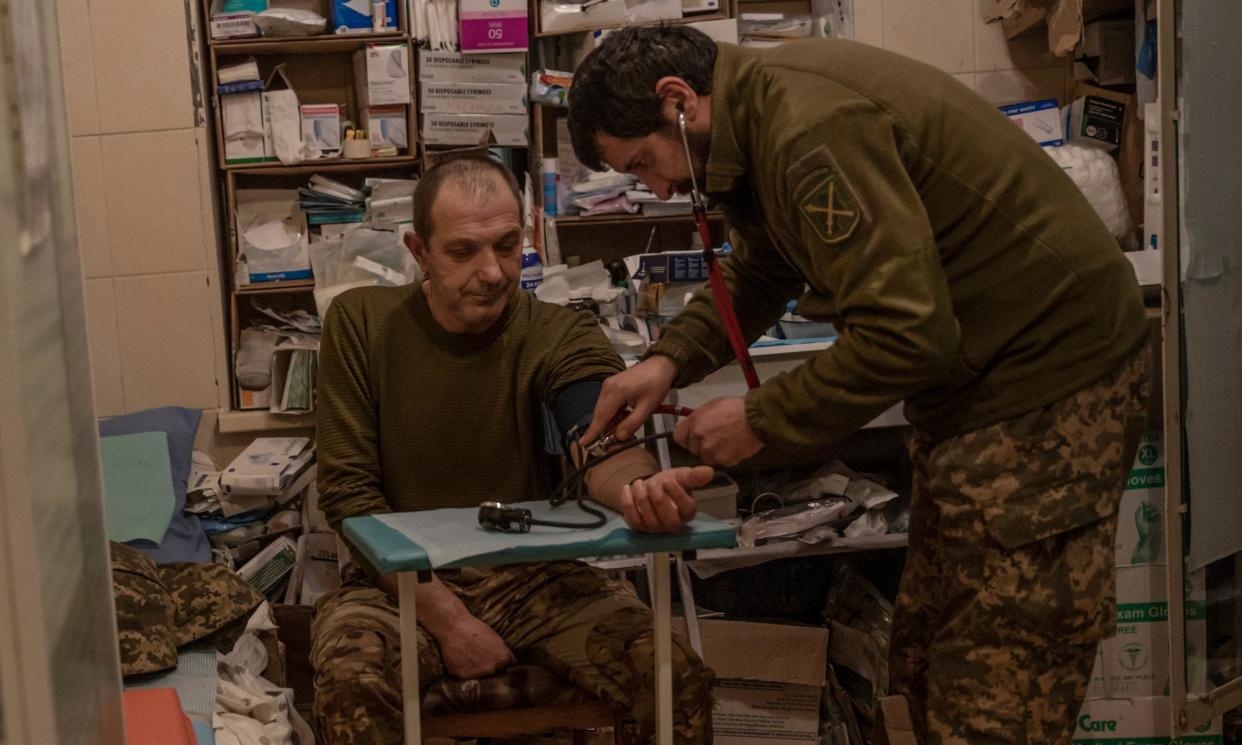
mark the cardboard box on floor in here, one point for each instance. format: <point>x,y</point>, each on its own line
<point>770,679</point>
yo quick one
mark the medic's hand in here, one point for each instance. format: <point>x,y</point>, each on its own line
<point>473,650</point>
<point>641,388</point>
<point>661,503</point>
<point>718,432</point>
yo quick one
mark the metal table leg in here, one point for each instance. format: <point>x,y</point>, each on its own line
<point>663,613</point>
<point>410,700</point>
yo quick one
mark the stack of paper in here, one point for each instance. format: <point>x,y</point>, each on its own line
<point>294,368</point>
<point>268,570</point>
<point>271,469</point>
<point>327,201</point>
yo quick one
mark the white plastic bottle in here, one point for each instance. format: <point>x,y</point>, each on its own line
<point>532,269</point>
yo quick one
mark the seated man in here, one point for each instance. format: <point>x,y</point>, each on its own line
<point>429,397</point>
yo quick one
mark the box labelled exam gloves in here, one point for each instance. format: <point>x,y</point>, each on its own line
<point>1140,519</point>
<point>1135,662</point>
<point>1137,721</point>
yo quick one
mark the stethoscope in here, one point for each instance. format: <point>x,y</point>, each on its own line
<point>501,517</point>
<point>720,292</point>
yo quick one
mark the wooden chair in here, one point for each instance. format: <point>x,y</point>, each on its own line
<point>577,718</point>
<point>523,700</point>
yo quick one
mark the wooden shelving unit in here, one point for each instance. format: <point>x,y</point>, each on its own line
<point>320,70</point>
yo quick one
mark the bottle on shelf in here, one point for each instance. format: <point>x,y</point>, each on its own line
<point>550,187</point>
<point>532,269</point>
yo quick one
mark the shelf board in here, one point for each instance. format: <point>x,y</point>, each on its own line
<point>260,420</point>
<point>719,16</point>
<point>332,165</point>
<point>276,288</point>
<point>577,220</point>
<point>323,44</point>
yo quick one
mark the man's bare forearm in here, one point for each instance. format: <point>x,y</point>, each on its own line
<point>439,610</point>
<point>606,481</point>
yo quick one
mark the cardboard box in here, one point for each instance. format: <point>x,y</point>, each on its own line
<point>1135,662</point>
<point>321,126</point>
<point>1109,47</point>
<point>382,75</point>
<point>254,399</point>
<point>268,466</point>
<point>463,130</point>
<point>348,15</point>
<point>1140,524</point>
<point>1062,18</point>
<point>1131,153</point>
<point>769,681</point>
<point>493,25</point>
<point>387,126</point>
<point>473,98</point>
<point>1040,119</point>
<point>1096,120</point>
<point>271,236</point>
<point>244,142</point>
<point>898,728</point>
<point>444,67</point>
<point>1140,720</point>
<point>233,26</point>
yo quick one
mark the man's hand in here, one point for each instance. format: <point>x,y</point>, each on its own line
<point>469,647</point>
<point>718,432</point>
<point>642,388</point>
<point>661,503</point>
<point>473,650</point>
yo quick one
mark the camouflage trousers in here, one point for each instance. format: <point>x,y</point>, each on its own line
<point>567,617</point>
<point>1008,586</point>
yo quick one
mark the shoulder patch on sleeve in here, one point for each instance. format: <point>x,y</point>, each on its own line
<point>831,209</point>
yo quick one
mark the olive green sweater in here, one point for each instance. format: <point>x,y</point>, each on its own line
<point>413,417</point>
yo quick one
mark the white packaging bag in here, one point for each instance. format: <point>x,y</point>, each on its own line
<point>364,257</point>
<point>271,236</point>
<point>284,114</point>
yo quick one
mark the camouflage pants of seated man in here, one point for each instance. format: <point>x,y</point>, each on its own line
<point>564,616</point>
<point>1008,586</point>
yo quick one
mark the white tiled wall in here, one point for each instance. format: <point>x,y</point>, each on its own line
<point>143,196</point>
<point>951,35</point>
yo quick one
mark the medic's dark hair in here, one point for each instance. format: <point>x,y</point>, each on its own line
<point>614,89</point>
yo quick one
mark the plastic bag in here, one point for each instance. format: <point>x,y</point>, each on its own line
<point>363,257</point>
<point>1096,174</point>
<point>290,22</point>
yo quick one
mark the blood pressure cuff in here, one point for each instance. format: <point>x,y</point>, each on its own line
<point>569,413</point>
